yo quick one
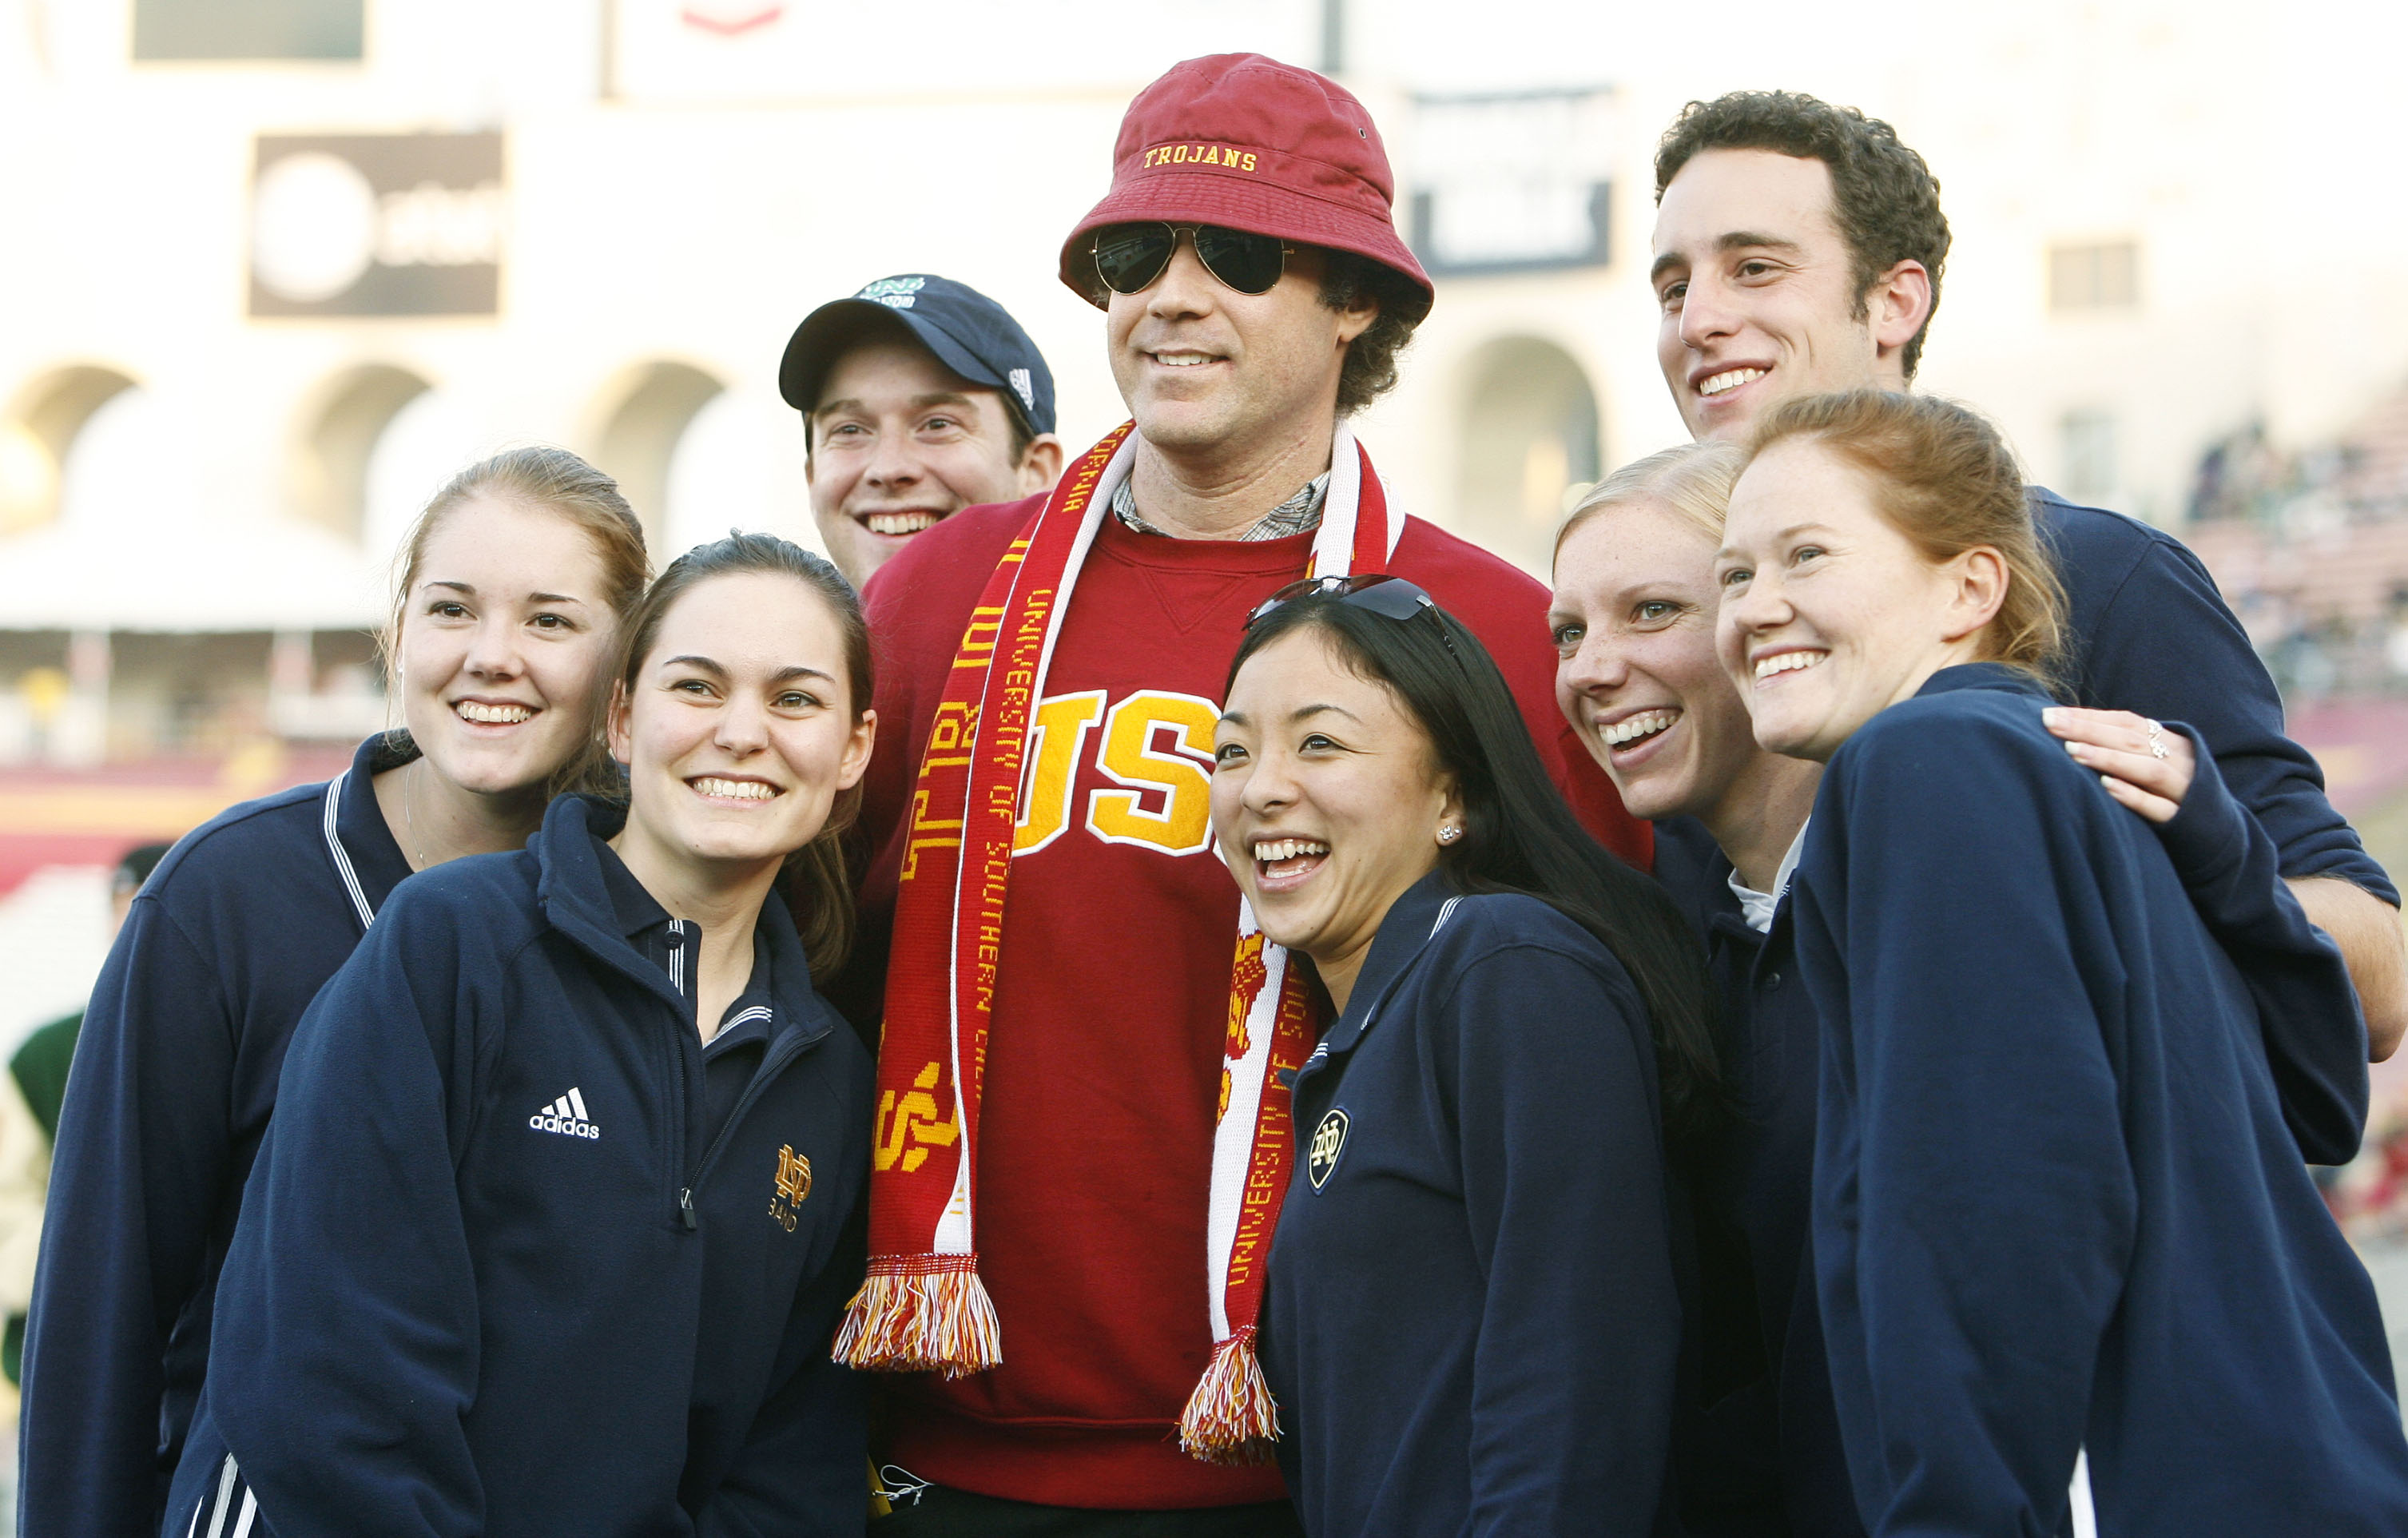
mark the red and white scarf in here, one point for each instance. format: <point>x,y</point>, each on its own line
<point>923,1307</point>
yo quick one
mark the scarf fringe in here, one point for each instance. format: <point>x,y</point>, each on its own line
<point>921,1313</point>
<point>1231,1419</point>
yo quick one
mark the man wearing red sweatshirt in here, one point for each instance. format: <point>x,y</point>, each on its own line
<point>1082,1140</point>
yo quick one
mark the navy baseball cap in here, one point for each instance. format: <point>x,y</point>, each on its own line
<point>970,333</point>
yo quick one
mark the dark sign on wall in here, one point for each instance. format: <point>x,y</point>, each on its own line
<point>378,224</point>
<point>1515,182</point>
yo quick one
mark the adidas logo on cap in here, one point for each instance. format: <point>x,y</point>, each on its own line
<point>565,1115</point>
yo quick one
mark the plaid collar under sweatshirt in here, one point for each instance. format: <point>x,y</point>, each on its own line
<point>1298,514</point>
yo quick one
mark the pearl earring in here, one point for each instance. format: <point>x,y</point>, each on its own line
<point>1448,835</point>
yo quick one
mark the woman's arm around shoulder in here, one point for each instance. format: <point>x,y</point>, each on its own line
<point>2307,1008</point>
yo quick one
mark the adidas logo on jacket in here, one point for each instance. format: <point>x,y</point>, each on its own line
<point>565,1114</point>
<point>492,1163</point>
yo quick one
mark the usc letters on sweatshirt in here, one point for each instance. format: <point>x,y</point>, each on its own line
<point>1103,1070</point>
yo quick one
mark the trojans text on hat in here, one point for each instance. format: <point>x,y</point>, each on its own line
<point>1200,155</point>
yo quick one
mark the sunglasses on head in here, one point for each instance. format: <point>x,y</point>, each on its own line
<point>1390,596</point>
<point>1130,257</point>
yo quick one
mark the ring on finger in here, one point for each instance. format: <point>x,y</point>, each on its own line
<point>2156,739</point>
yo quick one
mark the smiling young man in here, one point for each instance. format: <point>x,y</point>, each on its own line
<point>919,398</point>
<point>1798,248</point>
<point>1086,1136</point>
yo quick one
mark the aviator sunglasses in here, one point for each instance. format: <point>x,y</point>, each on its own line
<point>1129,258</point>
<point>1382,594</point>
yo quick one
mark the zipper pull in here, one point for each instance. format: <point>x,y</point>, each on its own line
<point>685,1208</point>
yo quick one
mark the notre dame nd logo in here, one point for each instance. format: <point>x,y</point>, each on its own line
<point>793,1185</point>
<point>1328,1142</point>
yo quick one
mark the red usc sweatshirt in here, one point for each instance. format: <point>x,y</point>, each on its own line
<point>1104,1064</point>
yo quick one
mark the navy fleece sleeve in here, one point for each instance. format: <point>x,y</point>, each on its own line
<point>2307,1012</point>
<point>345,1352</point>
<point>803,1472</point>
<point>137,1177</point>
<point>2161,642</point>
<point>1973,1204</point>
<point>1564,1190</point>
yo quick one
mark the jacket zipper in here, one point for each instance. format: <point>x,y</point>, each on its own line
<point>780,1054</point>
<point>690,1032</point>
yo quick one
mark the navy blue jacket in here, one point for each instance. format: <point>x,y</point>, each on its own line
<point>174,1078</point>
<point>2150,634</point>
<point>1764,1457</point>
<point>1470,1321</point>
<point>2056,1204</point>
<point>454,1307</point>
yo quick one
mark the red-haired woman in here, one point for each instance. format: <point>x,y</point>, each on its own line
<point>2056,1206</point>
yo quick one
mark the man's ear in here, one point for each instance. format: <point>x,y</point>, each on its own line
<point>1357,318</point>
<point>1896,306</point>
<point>1041,466</point>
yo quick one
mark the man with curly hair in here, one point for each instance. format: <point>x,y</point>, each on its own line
<point>1083,1139</point>
<point>1799,250</point>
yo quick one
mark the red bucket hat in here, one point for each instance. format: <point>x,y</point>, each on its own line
<point>1247,142</point>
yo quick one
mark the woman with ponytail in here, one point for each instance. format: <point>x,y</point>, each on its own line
<point>2066,1252</point>
<point>559,1210</point>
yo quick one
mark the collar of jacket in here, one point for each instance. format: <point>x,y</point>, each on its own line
<point>1412,921</point>
<point>569,889</point>
<point>1982,675</point>
<point>1707,898</point>
<point>367,856</point>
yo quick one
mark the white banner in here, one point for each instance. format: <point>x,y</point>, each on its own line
<point>782,50</point>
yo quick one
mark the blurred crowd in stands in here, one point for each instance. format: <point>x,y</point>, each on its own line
<point>2311,549</point>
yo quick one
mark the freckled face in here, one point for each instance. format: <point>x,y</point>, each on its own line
<point>1829,615</point>
<point>1636,673</point>
<point>1327,797</point>
<point>739,729</point>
